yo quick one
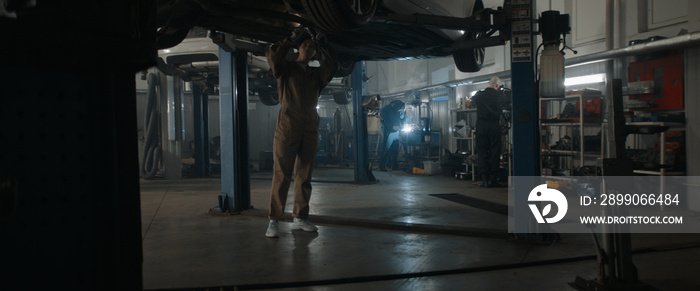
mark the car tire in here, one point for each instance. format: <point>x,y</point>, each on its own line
<point>335,15</point>
<point>167,37</point>
<point>342,98</point>
<point>469,60</point>
<point>269,98</point>
<point>345,68</point>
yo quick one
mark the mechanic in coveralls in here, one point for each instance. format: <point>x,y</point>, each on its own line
<point>489,106</point>
<point>296,134</point>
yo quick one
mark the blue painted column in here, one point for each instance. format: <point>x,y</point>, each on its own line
<point>525,110</point>
<point>233,106</point>
<point>200,112</point>
<point>363,175</point>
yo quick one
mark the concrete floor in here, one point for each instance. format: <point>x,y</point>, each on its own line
<point>391,235</point>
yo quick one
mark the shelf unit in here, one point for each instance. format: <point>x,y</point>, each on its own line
<point>376,146</point>
<point>670,126</point>
<point>570,158</point>
<point>663,170</point>
<point>462,143</point>
<point>640,91</point>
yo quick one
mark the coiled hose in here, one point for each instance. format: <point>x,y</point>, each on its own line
<point>151,147</point>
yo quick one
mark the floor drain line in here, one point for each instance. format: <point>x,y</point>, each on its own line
<point>396,226</point>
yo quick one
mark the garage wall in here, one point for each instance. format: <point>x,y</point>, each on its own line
<point>214,116</point>
<point>439,107</point>
<point>261,121</point>
<point>388,77</point>
<point>328,107</point>
<point>214,122</point>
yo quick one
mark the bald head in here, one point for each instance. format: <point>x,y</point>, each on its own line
<point>495,82</point>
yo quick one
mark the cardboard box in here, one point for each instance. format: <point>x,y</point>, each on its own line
<point>431,168</point>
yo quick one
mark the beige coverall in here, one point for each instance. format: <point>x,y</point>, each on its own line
<point>296,135</point>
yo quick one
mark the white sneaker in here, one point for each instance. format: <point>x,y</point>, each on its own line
<point>272,229</point>
<point>304,225</point>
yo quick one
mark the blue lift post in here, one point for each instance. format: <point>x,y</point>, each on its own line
<point>242,161</point>
<point>525,109</point>
<point>363,174</point>
<point>200,110</point>
<point>233,104</point>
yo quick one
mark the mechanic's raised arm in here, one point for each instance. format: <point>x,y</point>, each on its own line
<point>329,62</point>
<point>276,55</point>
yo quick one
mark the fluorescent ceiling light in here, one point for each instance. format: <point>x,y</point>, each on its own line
<point>589,79</point>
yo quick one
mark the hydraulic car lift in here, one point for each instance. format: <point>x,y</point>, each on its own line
<point>235,174</point>
<point>617,271</point>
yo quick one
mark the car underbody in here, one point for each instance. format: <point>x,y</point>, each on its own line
<point>365,30</point>
<point>267,21</point>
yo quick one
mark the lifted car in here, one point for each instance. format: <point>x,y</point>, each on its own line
<point>356,29</point>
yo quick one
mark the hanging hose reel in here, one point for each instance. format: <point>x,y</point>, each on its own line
<point>152,151</point>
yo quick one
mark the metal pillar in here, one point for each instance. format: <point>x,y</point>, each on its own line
<point>242,159</point>
<point>233,104</point>
<point>525,110</point>
<point>616,268</point>
<point>173,127</point>
<point>200,111</point>
<point>363,173</point>
<point>70,213</point>
<point>69,175</point>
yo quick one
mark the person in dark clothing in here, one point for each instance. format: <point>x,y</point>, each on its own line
<point>392,119</point>
<point>489,104</point>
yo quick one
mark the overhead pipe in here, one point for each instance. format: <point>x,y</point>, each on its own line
<point>455,83</point>
<point>681,41</point>
<point>204,64</point>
